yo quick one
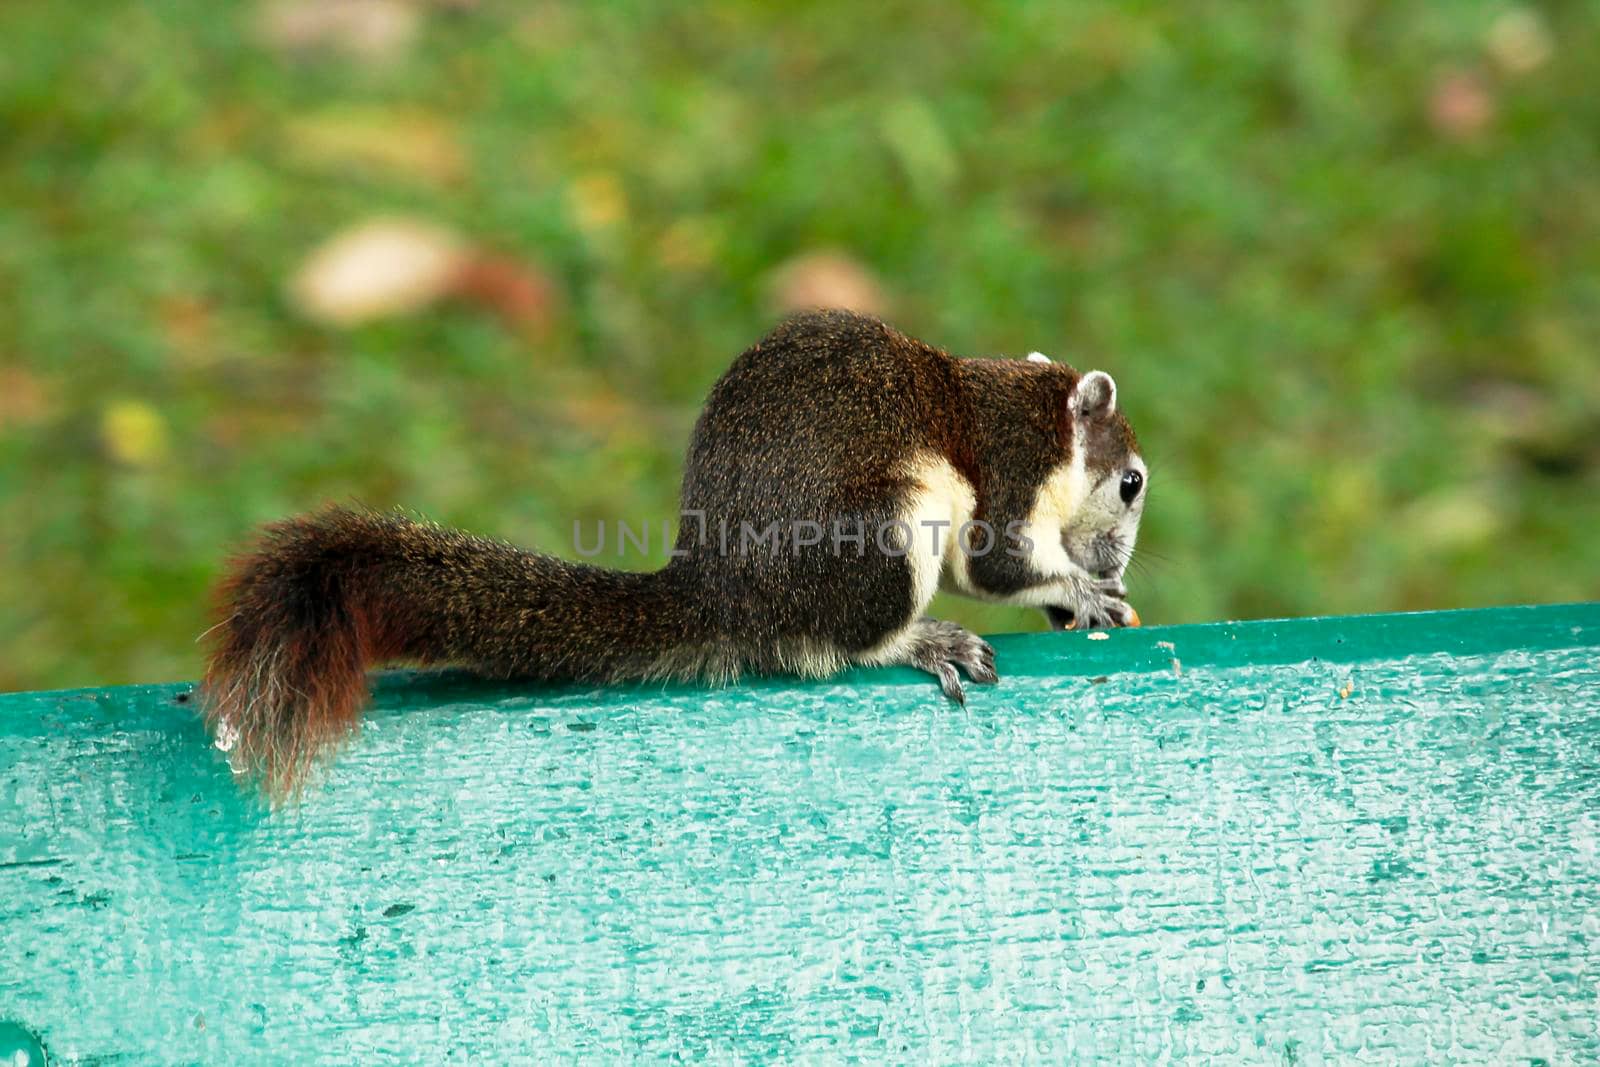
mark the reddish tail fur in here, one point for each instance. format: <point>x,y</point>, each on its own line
<point>287,672</point>
<point>320,598</point>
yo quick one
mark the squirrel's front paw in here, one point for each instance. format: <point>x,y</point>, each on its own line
<point>1103,605</point>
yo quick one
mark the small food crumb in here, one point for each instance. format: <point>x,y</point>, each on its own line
<point>1345,690</point>
<point>1099,635</point>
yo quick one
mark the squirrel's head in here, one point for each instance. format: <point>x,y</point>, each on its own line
<point>1111,479</point>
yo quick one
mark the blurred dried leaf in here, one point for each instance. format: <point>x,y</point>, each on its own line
<point>595,406</point>
<point>1535,427</point>
<point>399,142</point>
<point>24,399</point>
<point>827,279</point>
<point>1460,105</point>
<point>1518,41</point>
<point>133,432</point>
<point>385,266</point>
<point>522,294</point>
<point>186,324</point>
<point>1508,411</point>
<point>370,30</point>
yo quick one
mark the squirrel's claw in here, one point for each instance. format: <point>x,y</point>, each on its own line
<point>1103,606</point>
<point>951,683</point>
<point>982,669</point>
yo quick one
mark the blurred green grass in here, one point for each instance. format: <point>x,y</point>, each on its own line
<point>1340,256</point>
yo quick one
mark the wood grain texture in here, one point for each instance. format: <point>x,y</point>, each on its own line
<point>1302,842</point>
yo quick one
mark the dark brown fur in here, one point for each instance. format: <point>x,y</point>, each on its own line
<point>809,424</point>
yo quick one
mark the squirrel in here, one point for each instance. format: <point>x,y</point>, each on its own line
<point>868,444</point>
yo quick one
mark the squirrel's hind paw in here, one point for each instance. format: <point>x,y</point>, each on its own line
<point>940,647</point>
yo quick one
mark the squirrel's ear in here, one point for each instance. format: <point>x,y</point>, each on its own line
<point>1094,396</point>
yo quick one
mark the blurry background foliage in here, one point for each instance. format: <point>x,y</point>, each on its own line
<point>484,259</point>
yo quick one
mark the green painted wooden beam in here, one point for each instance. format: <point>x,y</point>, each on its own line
<point>1280,842</point>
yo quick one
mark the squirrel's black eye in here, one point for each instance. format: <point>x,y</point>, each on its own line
<point>1132,482</point>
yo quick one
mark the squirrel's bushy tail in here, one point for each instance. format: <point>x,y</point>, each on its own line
<point>320,598</point>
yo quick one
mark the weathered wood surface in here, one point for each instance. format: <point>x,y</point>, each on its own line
<point>1305,841</point>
